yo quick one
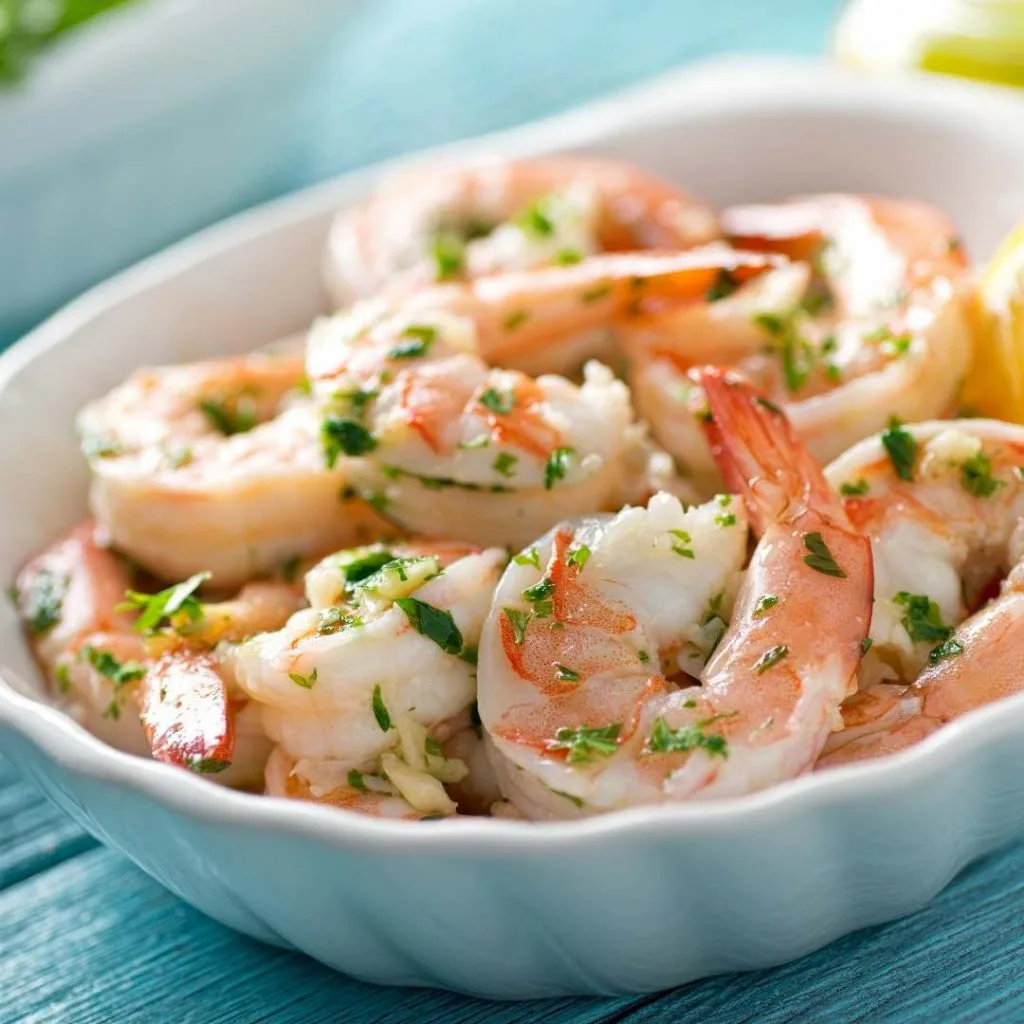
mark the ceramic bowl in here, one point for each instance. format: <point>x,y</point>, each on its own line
<point>143,126</point>
<point>630,902</point>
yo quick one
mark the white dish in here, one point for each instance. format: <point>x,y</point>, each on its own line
<point>634,901</point>
<point>134,130</point>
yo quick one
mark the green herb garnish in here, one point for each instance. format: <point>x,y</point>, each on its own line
<point>435,624</point>
<point>585,743</point>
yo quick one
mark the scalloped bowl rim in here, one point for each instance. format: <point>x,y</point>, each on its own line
<point>62,739</point>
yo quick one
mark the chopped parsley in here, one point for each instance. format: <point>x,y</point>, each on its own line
<point>568,257</point>
<point>585,743</point>
<point>306,682</point>
<point>42,600</point>
<point>448,254</point>
<point>665,740</point>
<point>435,624</point>
<point>228,420</point>
<point>770,658</point>
<point>340,435</point>
<point>557,466</point>
<point>540,595</point>
<point>357,399</point>
<point>516,319</point>
<point>764,605</point>
<point>535,220</point>
<point>355,781</point>
<point>365,565</point>
<point>501,403</point>
<point>531,556</point>
<point>208,765</point>
<point>595,294</point>
<point>578,557</point>
<point>681,543</point>
<point>947,649</point>
<point>901,448</point>
<point>643,657</point>
<point>178,601</point>
<point>795,352</point>
<point>976,476</point>
<point>567,675</point>
<point>723,286</point>
<point>518,620</point>
<point>120,673</point>
<point>415,343</point>
<point>865,645</point>
<point>922,619</point>
<point>820,558</point>
<point>505,464</point>
<point>725,519</point>
<point>380,710</point>
<point>854,488</point>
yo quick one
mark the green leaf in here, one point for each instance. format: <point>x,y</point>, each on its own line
<point>340,435</point>
<point>498,402</point>
<point>434,623</point>
<point>770,658</point>
<point>854,488</point>
<point>228,419</point>
<point>901,448</point>
<point>380,710</point>
<point>922,619</point>
<point>557,466</point>
<point>567,675</point>
<point>541,595</point>
<point>417,339</point>
<point>519,620</point>
<point>306,682</point>
<point>42,600</point>
<point>764,604</point>
<point>724,285</point>
<point>820,558</point>
<point>449,255</point>
<point>976,476</point>
<point>531,556</point>
<point>505,464</point>
<point>153,609</point>
<point>578,557</point>
<point>950,648</point>
<point>665,740</point>
<point>585,743</point>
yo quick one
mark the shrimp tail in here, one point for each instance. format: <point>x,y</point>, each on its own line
<point>759,453</point>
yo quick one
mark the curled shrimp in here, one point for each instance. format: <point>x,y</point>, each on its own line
<point>381,668</point>
<point>216,467</point>
<point>165,693</point>
<point>943,505</point>
<point>575,687</point>
<point>439,436</point>
<point>869,321</point>
<point>456,222</point>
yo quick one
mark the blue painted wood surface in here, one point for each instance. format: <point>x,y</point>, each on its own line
<point>86,938</point>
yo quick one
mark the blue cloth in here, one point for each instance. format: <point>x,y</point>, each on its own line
<point>86,938</point>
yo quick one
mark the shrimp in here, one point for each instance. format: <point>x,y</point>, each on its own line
<point>216,467</point>
<point>437,436</point>
<point>164,694</point>
<point>576,658</point>
<point>871,321</point>
<point>380,670</point>
<point>457,222</point>
<point>943,505</point>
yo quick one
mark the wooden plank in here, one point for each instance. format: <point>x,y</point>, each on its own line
<point>34,834</point>
<point>94,940</point>
<point>958,959</point>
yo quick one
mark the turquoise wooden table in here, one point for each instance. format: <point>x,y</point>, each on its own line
<point>85,937</point>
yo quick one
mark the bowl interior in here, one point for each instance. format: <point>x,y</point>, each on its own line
<point>753,132</point>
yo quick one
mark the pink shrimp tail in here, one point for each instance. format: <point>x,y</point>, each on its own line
<point>759,454</point>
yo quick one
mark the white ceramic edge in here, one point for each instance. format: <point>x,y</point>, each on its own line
<point>711,85</point>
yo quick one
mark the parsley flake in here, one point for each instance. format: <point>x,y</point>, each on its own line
<point>519,620</point>
<point>306,682</point>
<point>922,619</point>
<point>380,709</point>
<point>557,466</point>
<point>531,556</point>
<point>415,343</point>
<point>499,402</point>
<point>435,624</point>
<point>177,601</point>
<point>854,488</point>
<point>585,743</point>
<point>665,740</point>
<point>820,558</point>
<point>976,476</point>
<point>42,600</point>
<point>340,435</point>
<point>764,604</point>
<point>505,464</point>
<point>947,649</point>
<point>901,447</point>
<point>770,658</point>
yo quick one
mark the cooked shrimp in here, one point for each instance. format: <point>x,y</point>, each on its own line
<point>165,693</point>
<point>216,467</point>
<point>576,658</point>
<point>872,323</point>
<point>386,651</point>
<point>456,222</point>
<point>444,438</point>
<point>943,505</point>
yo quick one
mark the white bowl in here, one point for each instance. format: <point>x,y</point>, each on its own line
<point>143,126</point>
<point>634,901</point>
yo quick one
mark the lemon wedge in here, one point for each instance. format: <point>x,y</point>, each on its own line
<point>995,384</point>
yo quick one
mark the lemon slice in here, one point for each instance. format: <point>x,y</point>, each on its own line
<point>995,384</point>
